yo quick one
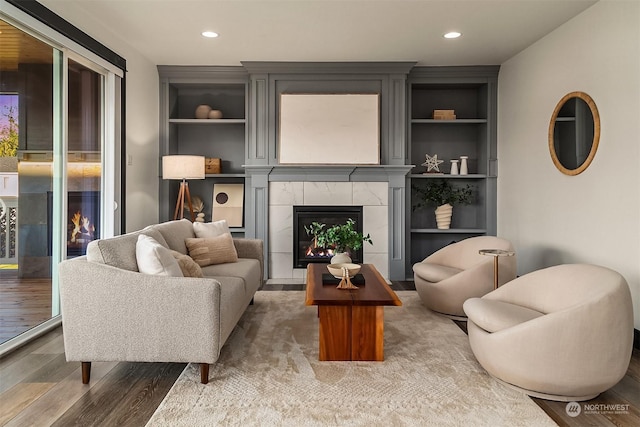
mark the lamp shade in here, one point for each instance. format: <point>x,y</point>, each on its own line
<point>183,167</point>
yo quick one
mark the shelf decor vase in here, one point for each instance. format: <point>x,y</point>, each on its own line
<point>464,170</point>
<point>202,111</point>
<point>341,258</point>
<point>443,216</point>
<point>454,167</point>
<point>215,114</point>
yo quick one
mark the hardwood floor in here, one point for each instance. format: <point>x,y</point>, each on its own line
<point>24,303</point>
<point>39,388</point>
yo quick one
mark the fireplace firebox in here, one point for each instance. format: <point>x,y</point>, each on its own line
<point>304,249</point>
<point>83,221</point>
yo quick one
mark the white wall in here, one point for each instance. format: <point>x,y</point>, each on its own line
<point>593,217</point>
<point>142,103</point>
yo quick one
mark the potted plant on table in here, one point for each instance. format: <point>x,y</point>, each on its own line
<point>340,237</point>
<point>443,195</point>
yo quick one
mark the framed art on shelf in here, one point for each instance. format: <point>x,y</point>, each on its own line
<point>228,204</point>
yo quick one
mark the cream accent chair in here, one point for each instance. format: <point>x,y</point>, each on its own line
<point>562,333</point>
<point>448,277</point>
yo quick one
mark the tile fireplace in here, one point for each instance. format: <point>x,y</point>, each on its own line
<point>371,197</point>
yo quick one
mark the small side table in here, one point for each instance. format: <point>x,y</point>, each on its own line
<point>495,253</point>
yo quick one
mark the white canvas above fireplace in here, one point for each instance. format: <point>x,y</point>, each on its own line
<point>335,128</point>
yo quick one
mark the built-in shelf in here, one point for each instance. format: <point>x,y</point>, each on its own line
<point>224,175</point>
<point>448,231</point>
<point>471,94</point>
<point>448,122</point>
<point>183,90</point>
<point>207,121</point>
<point>448,176</point>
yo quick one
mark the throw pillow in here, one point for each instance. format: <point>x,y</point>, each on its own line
<point>188,266</point>
<point>205,230</point>
<point>153,258</point>
<point>214,250</point>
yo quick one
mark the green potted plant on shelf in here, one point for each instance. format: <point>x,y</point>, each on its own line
<point>443,195</point>
<point>340,237</point>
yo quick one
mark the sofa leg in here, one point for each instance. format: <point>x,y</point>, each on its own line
<point>204,373</point>
<point>86,372</point>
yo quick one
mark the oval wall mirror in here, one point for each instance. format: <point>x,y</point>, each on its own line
<point>574,133</point>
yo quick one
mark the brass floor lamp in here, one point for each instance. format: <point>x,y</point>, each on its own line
<point>183,167</point>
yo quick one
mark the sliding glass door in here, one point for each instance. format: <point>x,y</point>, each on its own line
<point>57,170</point>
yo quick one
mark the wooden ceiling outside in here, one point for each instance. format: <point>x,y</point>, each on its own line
<point>17,47</point>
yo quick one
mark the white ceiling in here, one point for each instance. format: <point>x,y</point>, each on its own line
<point>168,31</point>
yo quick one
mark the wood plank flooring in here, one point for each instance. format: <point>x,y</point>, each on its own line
<point>39,388</point>
<point>24,303</point>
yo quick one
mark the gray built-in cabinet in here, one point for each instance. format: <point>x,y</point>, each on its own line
<point>472,93</point>
<point>246,139</point>
<point>182,89</point>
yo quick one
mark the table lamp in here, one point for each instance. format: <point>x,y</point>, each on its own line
<point>183,167</point>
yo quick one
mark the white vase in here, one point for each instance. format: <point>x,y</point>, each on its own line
<point>341,258</point>
<point>454,167</point>
<point>443,216</point>
<point>463,165</point>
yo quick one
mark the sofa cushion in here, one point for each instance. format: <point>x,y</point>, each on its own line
<point>248,269</point>
<point>189,267</point>
<point>153,258</point>
<point>210,229</point>
<point>494,316</point>
<point>174,232</point>
<point>434,273</point>
<point>120,251</point>
<point>214,250</point>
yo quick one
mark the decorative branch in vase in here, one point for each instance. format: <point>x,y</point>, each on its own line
<point>340,237</point>
<point>443,195</point>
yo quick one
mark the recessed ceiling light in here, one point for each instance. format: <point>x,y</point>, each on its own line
<point>209,34</point>
<point>452,35</point>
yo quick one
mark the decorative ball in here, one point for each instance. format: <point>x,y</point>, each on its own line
<point>215,114</point>
<point>202,111</point>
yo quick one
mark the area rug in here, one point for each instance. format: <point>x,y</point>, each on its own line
<point>268,374</point>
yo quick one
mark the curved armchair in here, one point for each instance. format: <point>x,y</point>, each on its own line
<point>448,277</point>
<point>562,333</point>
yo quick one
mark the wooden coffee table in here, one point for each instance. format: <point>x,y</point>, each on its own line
<point>351,320</point>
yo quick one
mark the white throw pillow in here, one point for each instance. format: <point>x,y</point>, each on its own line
<point>206,230</point>
<point>153,258</point>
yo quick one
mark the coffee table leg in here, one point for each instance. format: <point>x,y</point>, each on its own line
<point>335,332</point>
<point>367,340</point>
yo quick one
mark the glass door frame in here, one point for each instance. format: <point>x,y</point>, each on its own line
<point>110,134</point>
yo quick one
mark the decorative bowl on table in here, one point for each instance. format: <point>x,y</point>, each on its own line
<point>337,269</point>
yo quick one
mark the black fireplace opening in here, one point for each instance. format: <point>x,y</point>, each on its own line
<point>82,224</point>
<point>304,249</point>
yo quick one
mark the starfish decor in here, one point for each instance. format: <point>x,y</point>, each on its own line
<point>432,163</point>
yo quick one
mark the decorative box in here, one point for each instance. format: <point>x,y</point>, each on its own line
<point>211,165</point>
<point>444,114</point>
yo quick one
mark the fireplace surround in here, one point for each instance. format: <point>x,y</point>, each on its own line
<point>373,197</point>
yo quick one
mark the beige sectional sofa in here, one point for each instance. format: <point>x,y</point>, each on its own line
<point>113,312</point>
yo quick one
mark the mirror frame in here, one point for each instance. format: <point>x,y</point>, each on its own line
<point>596,133</point>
